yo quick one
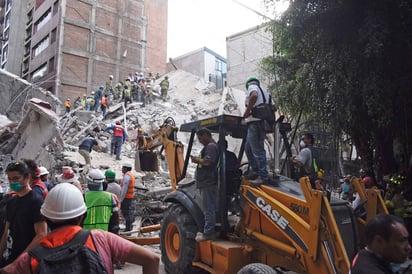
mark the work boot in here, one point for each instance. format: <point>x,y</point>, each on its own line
<point>251,176</point>
<point>200,237</point>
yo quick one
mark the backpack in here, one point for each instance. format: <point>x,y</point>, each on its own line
<point>71,257</point>
<point>265,110</point>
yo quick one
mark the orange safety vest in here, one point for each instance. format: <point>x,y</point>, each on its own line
<point>60,237</point>
<point>130,188</point>
<point>118,131</point>
<point>67,104</point>
<point>104,102</point>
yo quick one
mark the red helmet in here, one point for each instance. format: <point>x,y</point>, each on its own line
<point>68,176</point>
<point>367,181</point>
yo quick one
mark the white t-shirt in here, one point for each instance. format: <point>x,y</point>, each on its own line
<point>305,157</point>
<point>253,87</point>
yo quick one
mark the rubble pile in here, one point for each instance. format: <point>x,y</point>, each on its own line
<point>53,141</point>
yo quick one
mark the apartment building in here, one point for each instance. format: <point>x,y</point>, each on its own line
<point>70,47</point>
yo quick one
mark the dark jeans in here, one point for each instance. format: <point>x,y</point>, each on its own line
<point>255,148</point>
<point>128,213</point>
<point>209,195</point>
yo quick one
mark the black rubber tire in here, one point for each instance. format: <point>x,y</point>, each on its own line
<point>178,253</point>
<point>257,268</point>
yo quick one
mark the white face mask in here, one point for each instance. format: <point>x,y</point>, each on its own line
<point>302,144</point>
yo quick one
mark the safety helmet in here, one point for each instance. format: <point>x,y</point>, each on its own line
<point>110,174</point>
<point>111,76</point>
<point>140,130</point>
<point>367,181</point>
<point>64,202</point>
<point>101,87</point>
<point>92,92</point>
<point>68,176</point>
<point>43,171</point>
<point>127,164</point>
<point>68,99</point>
<point>95,177</point>
<point>251,79</point>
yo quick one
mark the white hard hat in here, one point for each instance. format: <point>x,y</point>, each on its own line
<point>43,171</point>
<point>64,202</point>
<point>111,76</point>
<point>127,164</point>
<point>95,177</point>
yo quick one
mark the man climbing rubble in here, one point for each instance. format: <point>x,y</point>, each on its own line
<point>118,138</point>
<point>86,147</point>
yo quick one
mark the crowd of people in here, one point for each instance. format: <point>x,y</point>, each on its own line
<point>136,87</point>
<point>41,217</point>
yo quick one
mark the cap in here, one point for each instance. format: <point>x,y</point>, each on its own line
<point>68,176</point>
<point>64,202</point>
<point>118,122</point>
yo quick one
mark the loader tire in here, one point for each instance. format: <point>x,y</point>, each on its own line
<point>257,268</point>
<point>177,240</point>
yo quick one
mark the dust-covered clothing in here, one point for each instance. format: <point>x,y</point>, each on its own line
<point>207,175</point>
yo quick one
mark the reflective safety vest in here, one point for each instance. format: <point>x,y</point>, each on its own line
<point>99,210</point>
<point>130,189</point>
<point>118,131</point>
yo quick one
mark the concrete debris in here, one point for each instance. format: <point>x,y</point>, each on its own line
<point>53,141</point>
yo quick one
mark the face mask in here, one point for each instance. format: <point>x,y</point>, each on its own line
<point>395,267</point>
<point>16,186</point>
<point>302,144</point>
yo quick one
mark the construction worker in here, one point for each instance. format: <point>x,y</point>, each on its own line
<point>109,85</point>
<point>102,206</point>
<point>90,102</point>
<point>118,138</point>
<point>98,97</point>
<point>127,195</point>
<point>64,210</point>
<point>83,101</point>
<point>127,94</point>
<point>67,105</point>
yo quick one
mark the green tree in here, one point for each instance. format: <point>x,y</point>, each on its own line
<point>348,64</point>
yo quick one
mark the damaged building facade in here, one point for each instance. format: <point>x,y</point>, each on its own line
<point>70,47</point>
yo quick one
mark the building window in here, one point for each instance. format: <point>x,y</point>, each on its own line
<point>43,20</point>
<point>218,65</point>
<point>55,7</point>
<point>39,73</point>
<point>42,45</point>
<point>51,64</point>
<point>53,35</point>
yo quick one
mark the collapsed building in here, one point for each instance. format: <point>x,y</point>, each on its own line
<point>34,125</point>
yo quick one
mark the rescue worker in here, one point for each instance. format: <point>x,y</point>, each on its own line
<point>64,210</point>
<point>90,102</point>
<point>111,184</point>
<point>77,102</point>
<point>127,95</point>
<point>67,105</point>
<point>306,160</point>
<point>36,184</point>
<point>118,138</point>
<point>83,102</point>
<point>104,106</point>
<point>102,206</point>
<point>140,142</point>
<point>109,86</point>
<point>126,196</point>
<point>44,177</point>
<point>164,87</point>
<point>98,97</point>
<point>86,147</point>
<point>68,176</point>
